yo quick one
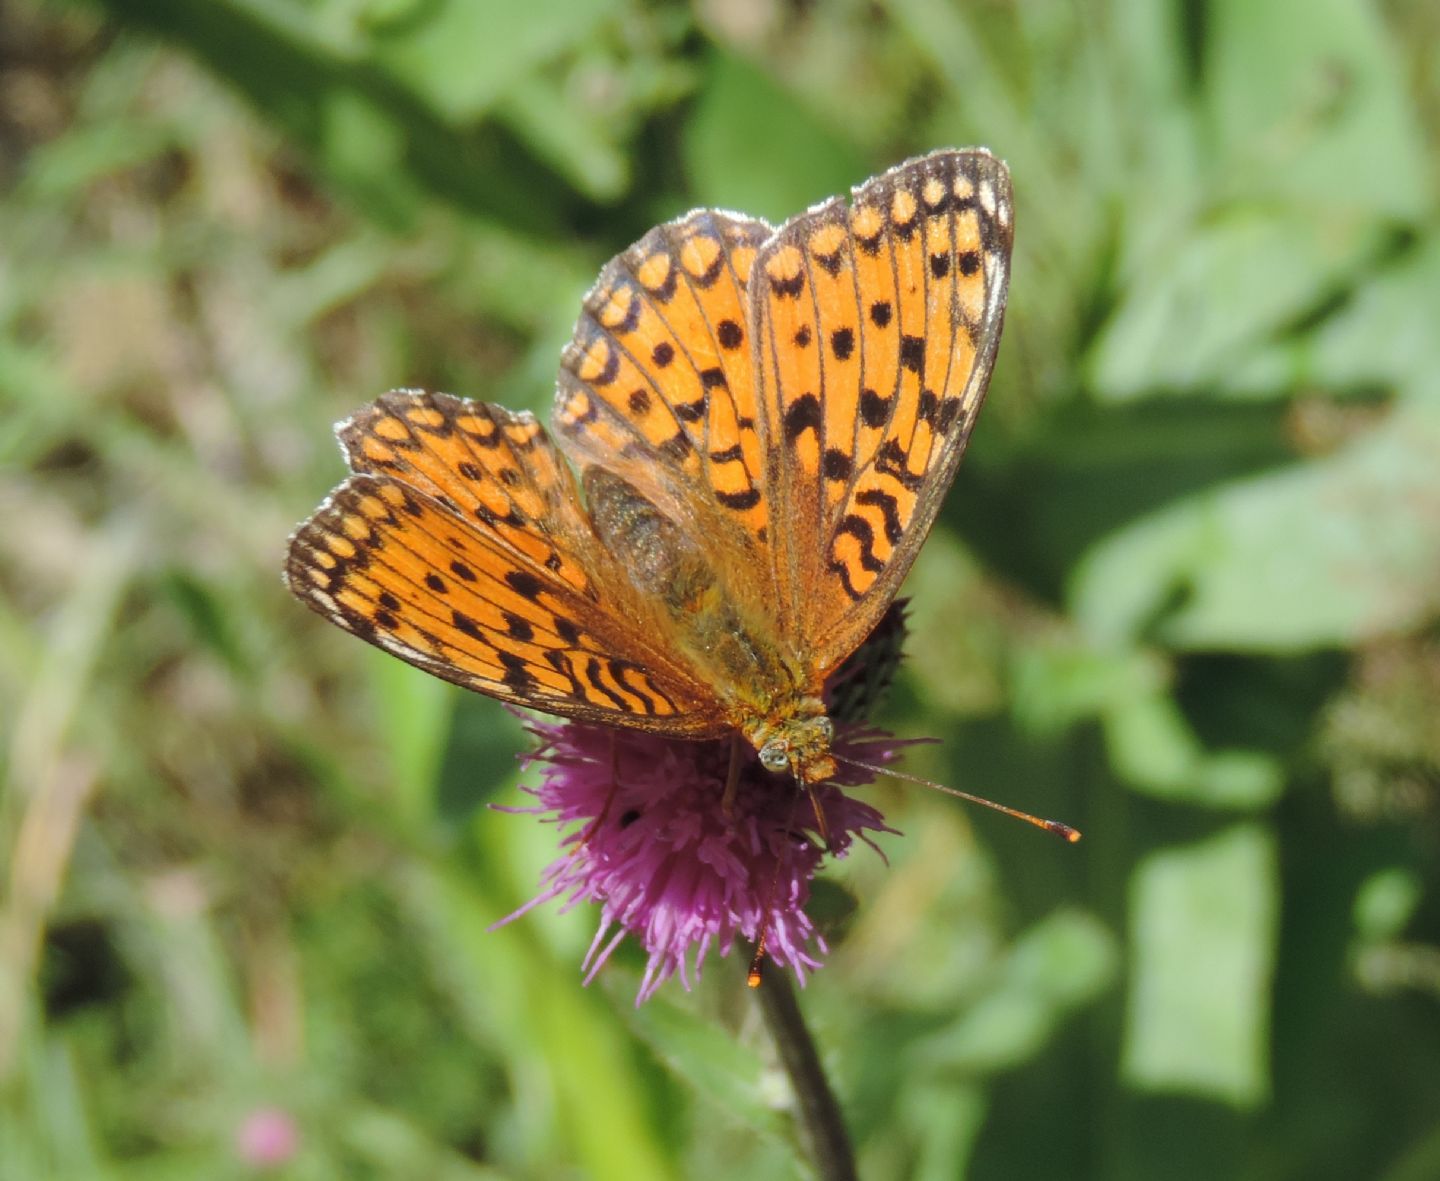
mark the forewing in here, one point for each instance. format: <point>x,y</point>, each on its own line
<point>877,325</point>
<point>512,599</point>
<point>484,463</point>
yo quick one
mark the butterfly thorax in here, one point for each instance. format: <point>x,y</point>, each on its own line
<point>737,649</point>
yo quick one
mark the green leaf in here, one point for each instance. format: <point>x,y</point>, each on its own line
<point>462,57</point>
<point>1055,685</point>
<point>1203,922</point>
<point>571,140</point>
<point>1386,902</point>
<point>1309,103</point>
<point>1059,965</point>
<point>1152,748</point>
<point>742,124</point>
<point>713,1060</point>
<point>415,710</point>
<point>1199,310</point>
<point>1385,332</point>
<point>60,169</point>
<point>1330,552</point>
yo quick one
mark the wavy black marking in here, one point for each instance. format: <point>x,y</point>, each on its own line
<point>890,461</point>
<point>707,277</point>
<point>802,415</point>
<point>739,501</point>
<point>592,677</point>
<point>889,509</point>
<point>665,292</point>
<point>788,288</point>
<point>677,446</point>
<point>649,696</point>
<point>517,672</point>
<point>690,411</point>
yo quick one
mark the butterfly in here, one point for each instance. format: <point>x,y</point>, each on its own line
<point>752,433</point>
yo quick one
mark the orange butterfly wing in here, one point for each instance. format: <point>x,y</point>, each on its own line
<point>877,326</point>
<point>469,558</point>
<point>658,384</point>
<point>797,399</point>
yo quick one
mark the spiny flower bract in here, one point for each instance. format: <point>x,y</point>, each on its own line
<point>649,840</point>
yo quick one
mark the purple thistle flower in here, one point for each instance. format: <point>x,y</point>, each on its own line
<point>651,843</point>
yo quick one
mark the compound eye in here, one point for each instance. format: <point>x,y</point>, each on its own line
<point>775,756</point>
<point>826,728</point>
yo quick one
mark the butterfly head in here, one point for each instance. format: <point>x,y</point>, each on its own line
<point>798,744</point>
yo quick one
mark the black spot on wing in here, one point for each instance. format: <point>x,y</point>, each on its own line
<point>517,628</point>
<point>874,409</point>
<point>517,673</point>
<point>467,625</point>
<point>912,353</point>
<point>950,410</point>
<point>524,584</point>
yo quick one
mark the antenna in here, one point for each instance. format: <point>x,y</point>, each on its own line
<point>1063,830</point>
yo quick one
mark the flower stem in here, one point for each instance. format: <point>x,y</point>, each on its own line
<point>821,1124</point>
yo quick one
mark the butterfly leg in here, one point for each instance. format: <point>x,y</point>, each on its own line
<point>609,796</point>
<point>732,780</point>
<point>820,822</point>
<point>757,961</point>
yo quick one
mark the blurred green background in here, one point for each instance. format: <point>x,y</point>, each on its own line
<point>1184,594</point>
